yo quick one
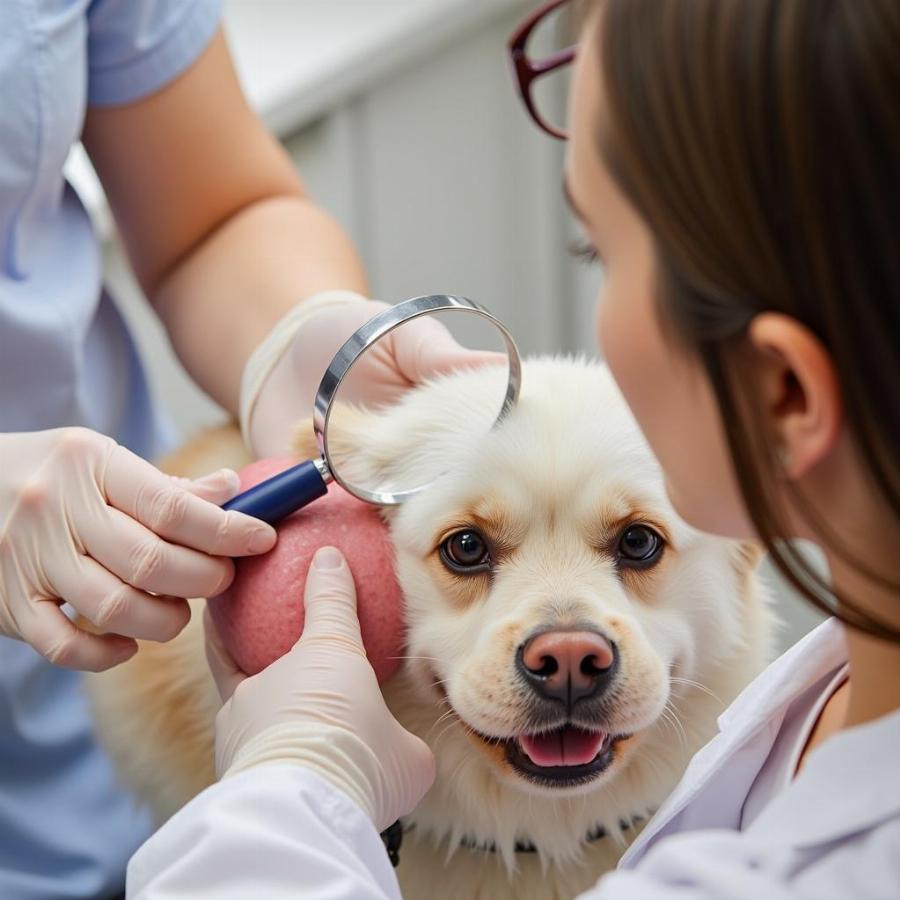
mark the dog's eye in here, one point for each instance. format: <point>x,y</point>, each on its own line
<point>465,551</point>
<point>639,547</point>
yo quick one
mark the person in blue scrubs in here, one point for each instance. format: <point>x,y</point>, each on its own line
<point>224,242</point>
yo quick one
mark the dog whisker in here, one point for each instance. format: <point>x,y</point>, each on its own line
<point>653,764</point>
<point>468,730</point>
<point>443,717</point>
<point>677,679</point>
<point>670,717</point>
<point>455,718</point>
<point>458,769</point>
<point>677,711</point>
<point>448,714</point>
<point>406,656</point>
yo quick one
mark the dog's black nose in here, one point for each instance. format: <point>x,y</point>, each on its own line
<point>568,665</point>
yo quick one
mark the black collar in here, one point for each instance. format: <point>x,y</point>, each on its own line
<point>393,838</point>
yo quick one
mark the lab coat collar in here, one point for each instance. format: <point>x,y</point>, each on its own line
<point>749,727</point>
<point>768,696</point>
<point>863,762</point>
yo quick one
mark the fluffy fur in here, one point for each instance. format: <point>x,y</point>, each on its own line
<point>552,490</point>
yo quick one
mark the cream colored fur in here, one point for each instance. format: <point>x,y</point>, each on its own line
<point>555,482</point>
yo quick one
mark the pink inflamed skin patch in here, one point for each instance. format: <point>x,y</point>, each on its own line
<point>260,616</point>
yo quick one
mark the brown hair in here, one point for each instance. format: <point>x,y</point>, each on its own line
<point>760,140</point>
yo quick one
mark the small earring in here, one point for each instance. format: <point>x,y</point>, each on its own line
<point>783,456</point>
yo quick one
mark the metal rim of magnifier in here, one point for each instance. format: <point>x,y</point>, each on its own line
<point>362,339</point>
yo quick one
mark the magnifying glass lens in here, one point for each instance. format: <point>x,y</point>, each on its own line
<point>386,441</point>
<point>440,371</point>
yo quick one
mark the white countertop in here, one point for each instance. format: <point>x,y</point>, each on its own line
<point>299,59</point>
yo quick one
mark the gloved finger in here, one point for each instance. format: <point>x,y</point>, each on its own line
<point>330,602</point>
<point>225,671</point>
<point>416,764</point>
<point>139,489</point>
<point>426,348</point>
<point>114,606</point>
<point>422,768</point>
<point>142,559</point>
<point>62,643</point>
<point>216,487</point>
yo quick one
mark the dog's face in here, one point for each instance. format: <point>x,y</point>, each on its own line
<point>559,612</point>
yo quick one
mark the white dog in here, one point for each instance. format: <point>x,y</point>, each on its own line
<point>571,641</point>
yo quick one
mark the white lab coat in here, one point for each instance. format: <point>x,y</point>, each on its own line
<point>279,831</point>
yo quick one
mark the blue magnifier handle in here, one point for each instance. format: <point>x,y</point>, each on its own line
<point>277,497</point>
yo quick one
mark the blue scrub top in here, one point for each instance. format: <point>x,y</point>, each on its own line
<point>66,358</point>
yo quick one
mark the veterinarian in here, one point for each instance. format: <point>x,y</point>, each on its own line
<point>226,245</point>
<point>735,165</point>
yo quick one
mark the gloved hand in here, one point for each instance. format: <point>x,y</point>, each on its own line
<point>85,521</point>
<point>283,374</point>
<point>319,706</point>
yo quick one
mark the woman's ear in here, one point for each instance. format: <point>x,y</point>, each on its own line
<point>798,389</point>
<point>409,444</point>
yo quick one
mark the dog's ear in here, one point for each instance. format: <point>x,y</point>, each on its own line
<point>746,557</point>
<point>430,430</point>
<point>304,441</point>
<point>351,432</point>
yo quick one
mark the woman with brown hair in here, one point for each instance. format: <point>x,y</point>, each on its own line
<point>735,165</point>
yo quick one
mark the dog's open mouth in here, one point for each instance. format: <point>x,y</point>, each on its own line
<point>567,755</point>
<point>566,746</point>
<point>563,757</point>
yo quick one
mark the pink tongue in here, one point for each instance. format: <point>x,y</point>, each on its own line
<point>563,747</point>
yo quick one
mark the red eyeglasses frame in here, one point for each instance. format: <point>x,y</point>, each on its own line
<point>527,71</point>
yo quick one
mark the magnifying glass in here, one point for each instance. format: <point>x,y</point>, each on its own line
<point>472,324</point>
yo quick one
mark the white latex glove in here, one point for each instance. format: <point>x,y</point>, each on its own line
<point>282,375</point>
<point>87,522</point>
<point>319,706</point>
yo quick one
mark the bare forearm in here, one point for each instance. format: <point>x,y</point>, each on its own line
<point>214,217</point>
<point>221,300</point>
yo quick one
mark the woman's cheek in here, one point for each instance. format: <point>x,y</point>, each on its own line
<point>624,334</point>
<point>612,337</point>
<point>675,411</point>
